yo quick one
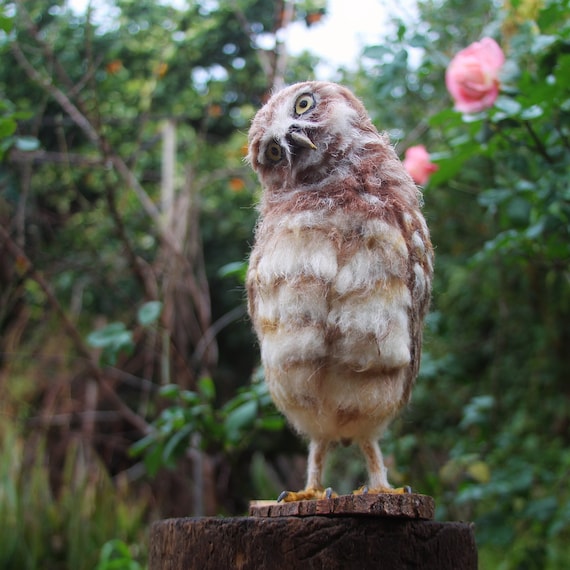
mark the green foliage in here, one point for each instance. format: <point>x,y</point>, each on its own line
<point>115,338</point>
<point>9,117</point>
<point>112,338</point>
<point>236,269</point>
<point>149,313</point>
<point>489,432</point>
<point>116,555</point>
<point>193,418</point>
<point>47,529</point>
<point>84,231</point>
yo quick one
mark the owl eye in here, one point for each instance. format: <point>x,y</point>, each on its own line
<point>274,152</point>
<point>304,103</point>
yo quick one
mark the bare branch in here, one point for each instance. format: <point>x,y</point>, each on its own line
<point>281,55</point>
<point>44,156</point>
<point>72,332</point>
<point>210,335</point>
<point>151,291</point>
<point>262,55</point>
<point>539,146</point>
<point>78,118</point>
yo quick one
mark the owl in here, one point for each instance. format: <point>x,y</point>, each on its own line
<point>339,276</point>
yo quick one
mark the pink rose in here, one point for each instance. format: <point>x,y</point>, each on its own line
<point>472,76</point>
<point>417,163</point>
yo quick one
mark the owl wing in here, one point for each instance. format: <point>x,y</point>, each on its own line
<point>419,278</point>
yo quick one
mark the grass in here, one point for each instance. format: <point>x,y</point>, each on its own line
<point>42,529</point>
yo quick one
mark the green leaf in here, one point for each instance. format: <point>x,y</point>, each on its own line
<point>114,549</point>
<point>169,391</point>
<point>142,444</point>
<point>113,335</point>
<point>7,127</point>
<point>533,112</point>
<point>449,167</point>
<point>272,423</point>
<point>518,210</point>
<point>542,42</point>
<point>509,106</point>
<point>401,30</point>
<point>476,410</point>
<point>473,117</point>
<point>112,338</point>
<point>239,418</point>
<point>494,196</point>
<point>461,140</point>
<point>153,460</point>
<point>172,419</point>
<point>237,269</point>
<point>376,52</point>
<point>6,23</point>
<point>207,388</point>
<point>149,313</point>
<point>445,118</point>
<point>189,397</point>
<point>419,41</point>
<point>27,144</point>
<point>173,443</point>
<point>535,230</point>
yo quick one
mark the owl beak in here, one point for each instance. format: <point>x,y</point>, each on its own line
<point>302,140</point>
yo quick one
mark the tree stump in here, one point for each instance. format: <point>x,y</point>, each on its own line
<point>407,505</point>
<point>359,539</point>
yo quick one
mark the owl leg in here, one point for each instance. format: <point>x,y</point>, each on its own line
<point>377,472</point>
<point>314,490</point>
<point>318,450</point>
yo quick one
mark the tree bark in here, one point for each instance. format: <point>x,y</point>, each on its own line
<point>307,542</point>
<point>405,505</point>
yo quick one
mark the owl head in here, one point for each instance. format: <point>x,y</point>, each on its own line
<point>306,132</point>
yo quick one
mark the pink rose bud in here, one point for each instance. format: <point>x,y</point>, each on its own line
<point>417,163</point>
<point>472,76</point>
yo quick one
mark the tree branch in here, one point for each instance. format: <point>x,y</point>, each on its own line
<point>45,83</point>
<point>273,67</point>
<point>84,124</point>
<point>538,143</point>
<point>44,156</point>
<point>262,55</point>
<point>151,292</point>
<point>72,332</point>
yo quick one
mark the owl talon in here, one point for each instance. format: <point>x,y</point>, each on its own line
<point>283,496</point>
<point>364,490</point>
<point>306,495</point>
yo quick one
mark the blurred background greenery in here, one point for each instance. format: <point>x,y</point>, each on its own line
<point>129,378</point>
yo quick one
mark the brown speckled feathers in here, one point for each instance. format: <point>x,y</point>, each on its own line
<point>340,274</point>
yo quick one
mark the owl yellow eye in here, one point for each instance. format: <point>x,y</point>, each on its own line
<point>304,103</point>
<point>274,152</point>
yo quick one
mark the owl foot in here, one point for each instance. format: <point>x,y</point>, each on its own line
<point>306,495</point>
<point>364,490</point>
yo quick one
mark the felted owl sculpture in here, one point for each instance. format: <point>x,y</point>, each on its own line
<point>339,276</point>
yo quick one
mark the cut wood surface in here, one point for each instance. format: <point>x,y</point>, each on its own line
<point>407,505</point>
<point>307,542</point>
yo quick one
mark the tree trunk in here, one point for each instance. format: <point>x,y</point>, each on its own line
<point>306,542</point>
